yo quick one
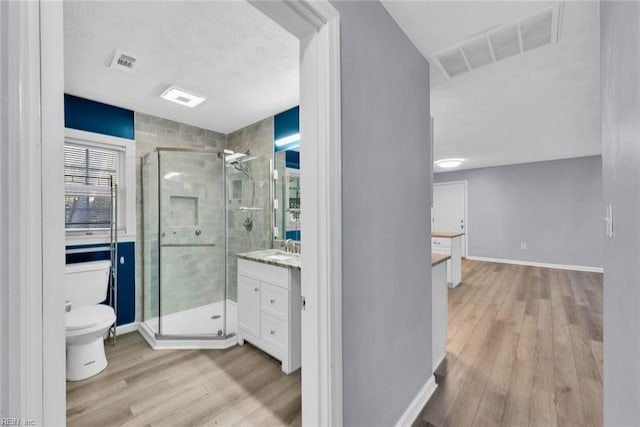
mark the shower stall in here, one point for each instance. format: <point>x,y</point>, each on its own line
<point>200,208</point>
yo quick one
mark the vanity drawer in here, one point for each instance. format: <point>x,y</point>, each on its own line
<point>440,242</point>
<point>275,334</point>
<point>278,276</point>
<point>275,301</point>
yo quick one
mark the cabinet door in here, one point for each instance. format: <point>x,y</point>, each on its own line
<point>249,305</point>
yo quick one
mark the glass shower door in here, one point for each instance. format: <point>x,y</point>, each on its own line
<point>192,249</point>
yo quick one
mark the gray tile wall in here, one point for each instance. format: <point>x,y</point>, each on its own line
<point>194,280</point>
<point>258,140</point>
<point>152,132</point>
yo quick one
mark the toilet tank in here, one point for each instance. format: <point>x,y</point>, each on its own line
<point>86,283</point>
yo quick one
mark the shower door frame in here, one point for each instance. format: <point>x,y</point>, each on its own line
<point>159,336</point>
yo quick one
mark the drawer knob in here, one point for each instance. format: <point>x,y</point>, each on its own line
<point>273,332</point>
<point>272,301</point>
<point>256,289</point>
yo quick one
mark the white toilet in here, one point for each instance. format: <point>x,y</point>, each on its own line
<point>88,321</point>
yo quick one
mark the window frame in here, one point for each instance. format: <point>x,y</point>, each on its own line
<point>126,186</point>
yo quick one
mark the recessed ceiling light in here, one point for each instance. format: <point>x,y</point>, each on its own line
<point>182,97</point>
<point>449,163</point>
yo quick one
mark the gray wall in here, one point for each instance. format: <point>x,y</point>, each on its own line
<point>554,207</point>
<point>386,248</point>
<point>620,68</point>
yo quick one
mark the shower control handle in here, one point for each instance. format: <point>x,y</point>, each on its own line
<point>272,301</point>
<point>198,232</point>
<point>256,289</point>
<point>273,332</point>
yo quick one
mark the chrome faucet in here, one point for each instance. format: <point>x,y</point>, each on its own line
<point>287,244</point>
<point>291,246</point>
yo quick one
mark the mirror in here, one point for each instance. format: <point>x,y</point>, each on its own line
<point>287,192</point>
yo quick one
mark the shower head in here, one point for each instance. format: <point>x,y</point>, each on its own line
<point>242,167</point>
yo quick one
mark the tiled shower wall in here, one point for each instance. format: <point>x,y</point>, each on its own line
<point>258,140</point>
<point>152,132</point>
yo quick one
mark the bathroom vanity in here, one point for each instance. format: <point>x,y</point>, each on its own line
<point>269,304</point>
<point>449,243</point>
<point>439,308</point>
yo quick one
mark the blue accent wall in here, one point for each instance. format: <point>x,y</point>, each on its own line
<point>126,275</point>
<point>92,116</point>
<point>286,124</point>
<point>293,235</point>
<point>292,159</point>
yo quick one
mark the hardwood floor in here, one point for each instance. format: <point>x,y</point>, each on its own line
<point>140,387</point>
<point>524,348</point>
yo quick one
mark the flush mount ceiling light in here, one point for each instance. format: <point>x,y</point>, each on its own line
<point>449,163</point>
<point>182,97</point>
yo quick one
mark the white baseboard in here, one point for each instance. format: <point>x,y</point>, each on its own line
<point>418,402</point>
<point>538,264</point>
<point>128,328</point>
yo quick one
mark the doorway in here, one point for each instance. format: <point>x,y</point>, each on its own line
<point>38,133</point>
<point>450,210</point>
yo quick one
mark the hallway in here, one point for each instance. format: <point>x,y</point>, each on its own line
<point>524,348</point>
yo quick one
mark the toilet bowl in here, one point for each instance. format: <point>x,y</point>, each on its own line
<point>88,321</point>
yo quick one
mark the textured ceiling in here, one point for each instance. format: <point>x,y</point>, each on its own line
<point>246,65</point>
<point>543,104</point>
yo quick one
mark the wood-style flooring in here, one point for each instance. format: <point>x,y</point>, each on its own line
<point>524,349</point>
<point>141,387</point>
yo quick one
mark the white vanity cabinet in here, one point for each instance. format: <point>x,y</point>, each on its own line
<point>439,309</point>
<point>450,244</point>
<point>269,310</point>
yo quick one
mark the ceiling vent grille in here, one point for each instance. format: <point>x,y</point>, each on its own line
<point>537,30</point>
<point>123,61</point>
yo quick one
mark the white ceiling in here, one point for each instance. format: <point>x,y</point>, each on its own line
<point>245,64</point>
<point>541,105</point>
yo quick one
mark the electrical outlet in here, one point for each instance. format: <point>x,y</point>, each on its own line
<point>523,246</point>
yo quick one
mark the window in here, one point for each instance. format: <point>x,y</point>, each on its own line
<point>92,164</point>
<point>89,174</point>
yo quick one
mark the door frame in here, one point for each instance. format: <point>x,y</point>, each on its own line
<point>466,211</point>
<point>33,361</point>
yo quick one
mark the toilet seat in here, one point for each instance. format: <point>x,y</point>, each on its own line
<point>89,317</point>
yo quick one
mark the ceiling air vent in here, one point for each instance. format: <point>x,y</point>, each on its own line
<point>123,61</point>
<point>537,30</point>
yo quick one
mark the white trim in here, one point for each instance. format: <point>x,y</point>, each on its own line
<point>53,259</point>
<point>23,208</point>
<point>126,329</point>
<point>4,212</point>
<point>538,264</point>
<point>466,210</point>
<point>418,402</point>
<point>317,25</point>
<point>33,210</point>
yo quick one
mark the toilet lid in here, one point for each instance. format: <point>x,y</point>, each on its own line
<point>86,317</point>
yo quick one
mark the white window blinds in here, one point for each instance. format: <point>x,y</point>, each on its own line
<point>88,172</point>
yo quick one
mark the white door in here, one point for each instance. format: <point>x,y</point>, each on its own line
<point>449,209</point>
